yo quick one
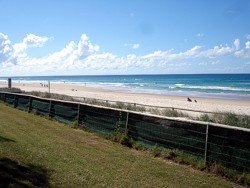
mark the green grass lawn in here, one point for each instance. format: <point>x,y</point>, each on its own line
<point>35,151</point>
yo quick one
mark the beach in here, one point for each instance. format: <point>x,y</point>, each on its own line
<point>238,106</point>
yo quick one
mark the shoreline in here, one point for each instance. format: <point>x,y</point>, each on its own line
<point>238,106</point>
<point>191,94</point>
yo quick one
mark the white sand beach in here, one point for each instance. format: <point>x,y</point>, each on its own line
<point>203,104</point>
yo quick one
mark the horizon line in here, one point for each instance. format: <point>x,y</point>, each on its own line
<point>125,74</point>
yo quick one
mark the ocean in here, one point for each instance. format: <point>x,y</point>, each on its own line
<point>230,86</point>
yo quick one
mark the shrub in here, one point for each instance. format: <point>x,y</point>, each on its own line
<point>139,146</point>
<point>11,90</point>
<point>74,125</point>
<point>126,140</point>
<point>156,151</point>
<point>227,119</point>
<point>230,119</point>
<point>205,117</point>
<point>168,154</point>
<point>174,113</point>
<point>155,111</point>
<point>120,105</point>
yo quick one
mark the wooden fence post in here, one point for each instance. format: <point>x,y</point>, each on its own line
<point>30,103</point>
<point>78,114</point>
<point>50,105</point>
<point>4,97</point>
<point>15,101</point>
<point>126,125</point>
<point>207,145</point>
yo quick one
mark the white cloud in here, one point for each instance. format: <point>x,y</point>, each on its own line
<point>84,57</point>
<point>203,64</point>
<point>215,62</point>
<point>29,41</point>
<point>200,35</point>
<point>4,44</point>
<point>237,44</point>
<point>133,46</point>
<point>217,51</point>
<point>248,45</point>
<point>6,49</point>
<point>248,37</point>
<point>245,52</point>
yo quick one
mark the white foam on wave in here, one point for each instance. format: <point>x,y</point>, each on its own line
<point>179,85</point>
<point>224,88</point>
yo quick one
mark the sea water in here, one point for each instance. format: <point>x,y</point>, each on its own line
<point>232,86</point>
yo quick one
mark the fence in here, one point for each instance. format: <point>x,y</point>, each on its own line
<point>214,143</point>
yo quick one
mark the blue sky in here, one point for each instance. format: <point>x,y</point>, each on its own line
<point>124,37</point>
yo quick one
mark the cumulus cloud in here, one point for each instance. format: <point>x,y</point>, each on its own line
<point>84,57</point>
<point>237,44</point>
<point>217,51</point>
<point>6,49</point>
<point>248,45</point>
<point>30,41</point>
<point>245,52</point>
<point>133,46</point>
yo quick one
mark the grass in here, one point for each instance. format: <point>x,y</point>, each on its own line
<point>13,90</point>
<point>35,151</point>
<point>181,157</point>
<point>227,119</point>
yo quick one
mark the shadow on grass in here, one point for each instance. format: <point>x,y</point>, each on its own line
<point>3,139</point>
<point>13,174</point>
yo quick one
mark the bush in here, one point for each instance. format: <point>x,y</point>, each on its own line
<point>156,151</point>
<point>139,146</point>
<point>51,95</point>
<point>174,113</point>
<point>227,119</point>
<point>155,111</point>
<point>120,105</point>
<point>74,125</point>
<point>11,90</point>
<point>126,140</point>
<point>205,117</point>
<point>230,119</point>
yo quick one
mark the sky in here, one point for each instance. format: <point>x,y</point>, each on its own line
<point>97,37</point>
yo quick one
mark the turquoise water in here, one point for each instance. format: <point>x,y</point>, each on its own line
<point>201,85</point>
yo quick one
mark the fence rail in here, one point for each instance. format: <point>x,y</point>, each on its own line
<point>212,142</point>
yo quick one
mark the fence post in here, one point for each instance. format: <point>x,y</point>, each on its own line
<point>15,101</point>
<point>126,126</point>
<point>50,104</point>
<point>207,145</point>
<point>30,103</point>
<point>49,86</point>
<point>4,97</point>
<point>78,114</point>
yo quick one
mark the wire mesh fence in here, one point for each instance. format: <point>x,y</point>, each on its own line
<point>214,143</point>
